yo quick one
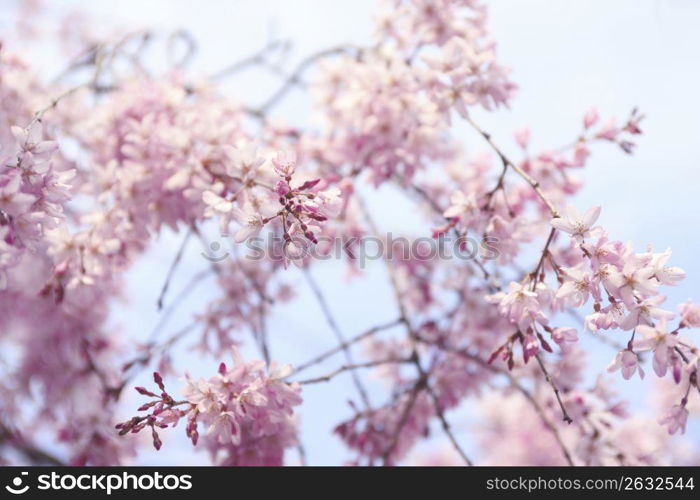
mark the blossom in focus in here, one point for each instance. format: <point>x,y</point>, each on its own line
<point>667,275</point>
<point>657,338</point>
<point>576,224</point>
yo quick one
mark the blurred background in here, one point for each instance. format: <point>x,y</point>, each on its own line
<point>565,56</point>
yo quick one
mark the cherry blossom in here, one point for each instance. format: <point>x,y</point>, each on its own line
<point>658,339</point>
<point>519,305</point>
<point>239,407</point>
<point>576,224</point>
<point>675,419</point>
<point>665,274</point>
<point>251,223</point>
<point>577,287</point>
<point>628,363</point>
<point>633,279</point>
<point>690,314</point>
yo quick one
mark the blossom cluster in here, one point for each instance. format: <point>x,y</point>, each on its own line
<point>300,207</point>
<point>247,412</point>
<point>389,109</point>
<point>33,195</point>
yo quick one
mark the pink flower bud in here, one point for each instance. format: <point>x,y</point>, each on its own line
<point>309,184</point>
<point>158,380</point>
<point>145,392</point>
<point>282,188</point>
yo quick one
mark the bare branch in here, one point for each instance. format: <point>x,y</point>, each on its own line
<point>30,451</point>
<point>506,161</point>
<point>345,345</point>
<point>342,342</point>
<point>565,414</point>
<point>173,266</point>
<point>252,60</point>
<point>345,368</point>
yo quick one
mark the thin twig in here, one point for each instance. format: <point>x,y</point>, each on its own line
<point>345,368</point>
<point>535,184</point>
<point>417,387</point>
<point>565,414</point>
<point>34,454</point>
<point>182,295</point>
<point>423,376</point>
<point>492,281</point>
<point>536,406</point>
<point>295,77</point>
<point>540,411</point>
<point>440,412</point>
<point>252,60</point>
<point>536,187</point>
<point>540,263</point>
<point>446,427</point>
<point>302,454</point>
<point>345,345</point>
<point>342,341</point>
<point>173,266</point>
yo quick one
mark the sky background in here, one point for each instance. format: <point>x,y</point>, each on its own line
<point>565,56</point>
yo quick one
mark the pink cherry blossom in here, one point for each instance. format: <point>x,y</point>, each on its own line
<point>576,224</point>
<point>644,312</point>
<point>628,363</point>
<point>577,288</point>
<point>245,161</point>
<point>665,274</point>
<point>675,419</point>
<point>590,118</point>
<point>462,205</point>
<point>631,280</point>
<point>658,339</point>
<point>564,336</point>
<point>522,137</point>
<point>285,163</point>
<point>13,201</point>
<point>690,314</point>
<point>519,305</point>
<point>241,408</point>
<point>250,220</point>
